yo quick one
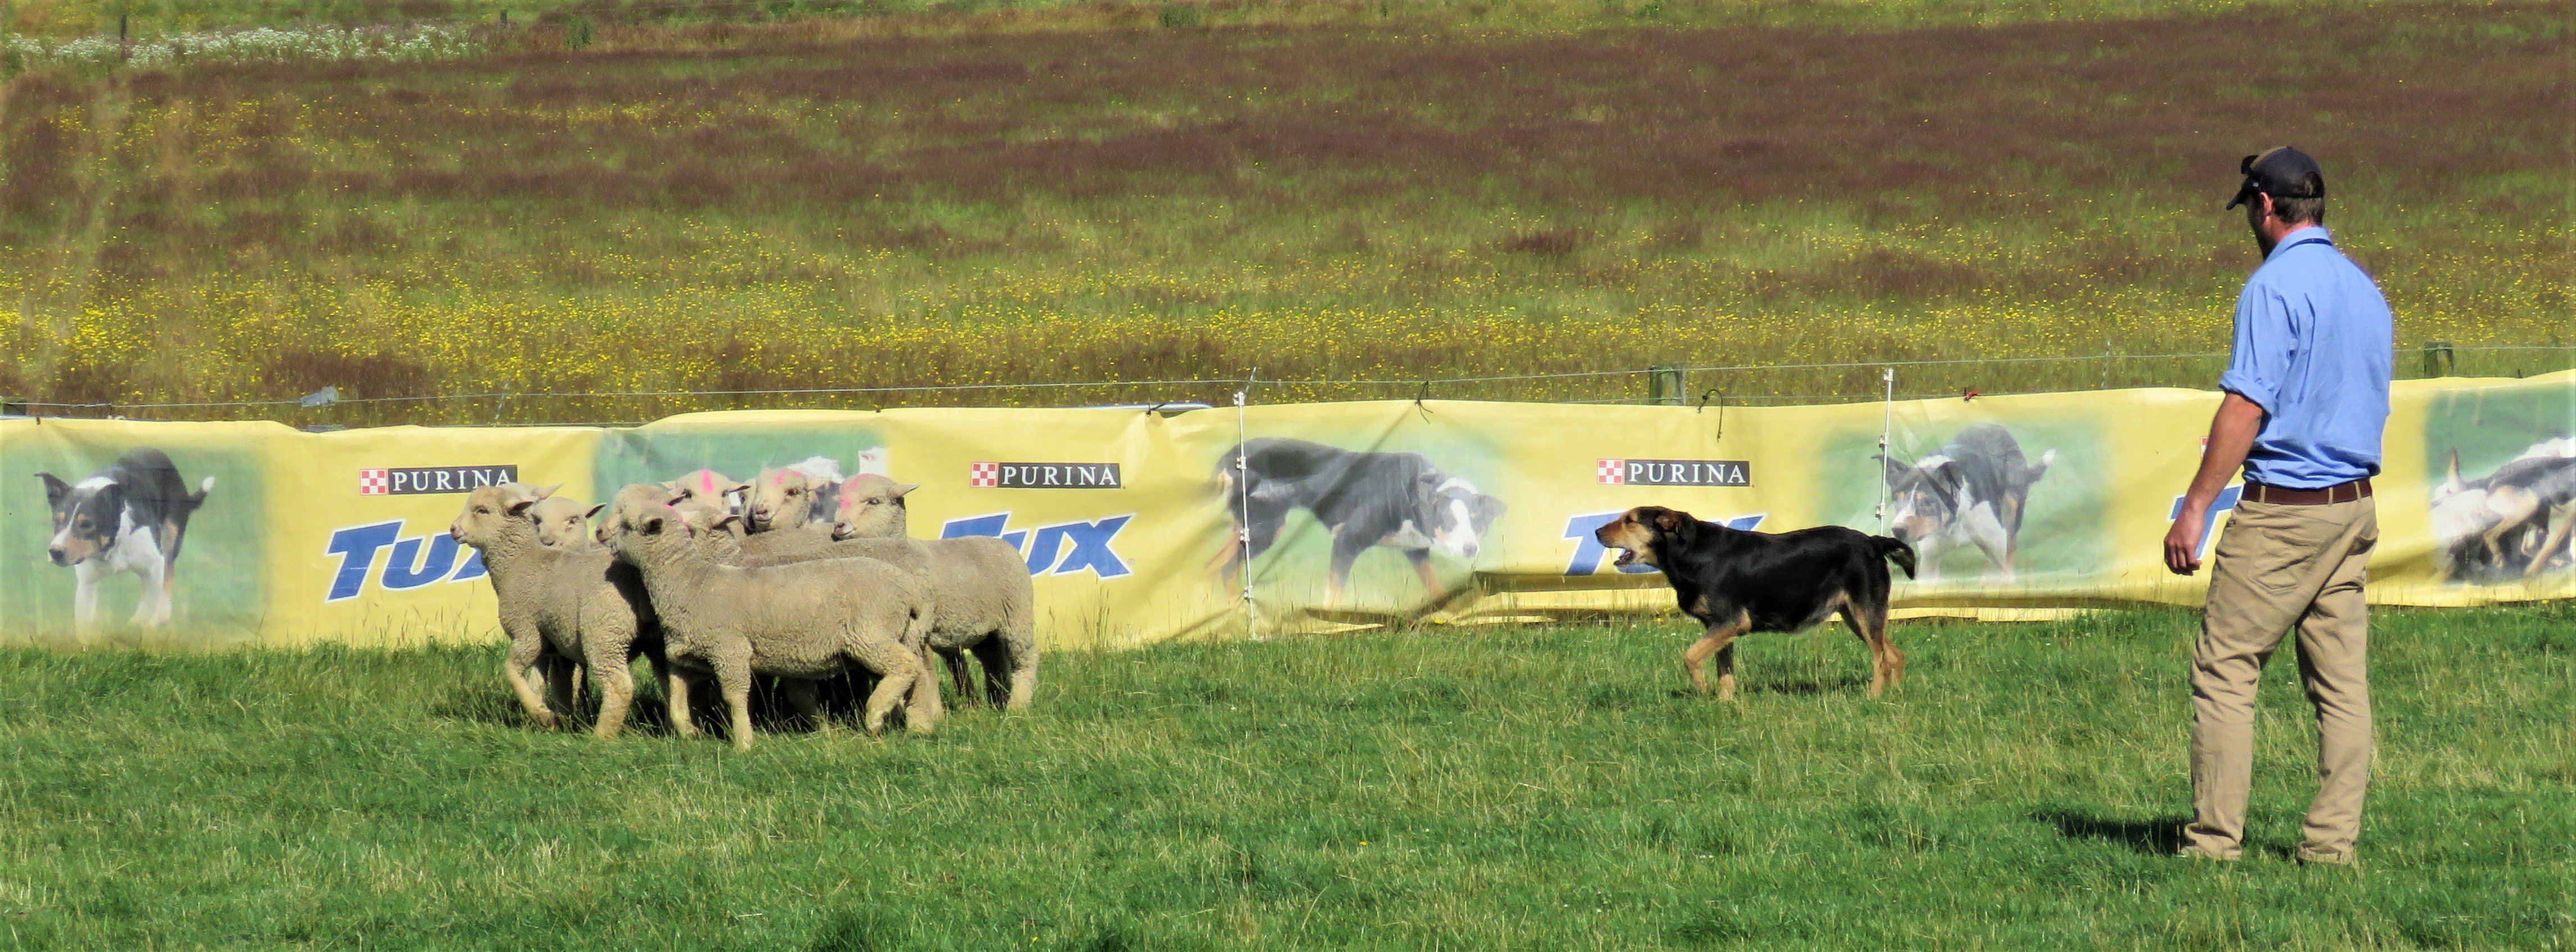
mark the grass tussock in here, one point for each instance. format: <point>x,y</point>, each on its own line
<point>1318,202</point>
<point>1508,788</point>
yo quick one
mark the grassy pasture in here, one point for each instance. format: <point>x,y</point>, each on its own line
<point>1508,788</point>
<point>652,22</point>
<point>788,209</point>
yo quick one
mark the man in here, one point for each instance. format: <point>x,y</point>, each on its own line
<point>2307,396</point>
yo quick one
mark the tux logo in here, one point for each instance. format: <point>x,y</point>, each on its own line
<point>1062,548</point>
<point>1589,553</point>
<point>409,563</point>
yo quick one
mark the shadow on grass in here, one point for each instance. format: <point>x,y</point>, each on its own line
<point>2160,836</point>
<point>842,698</point>
<point>1809,688</point>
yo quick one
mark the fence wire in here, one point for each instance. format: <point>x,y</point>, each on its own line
<point>347,404</point>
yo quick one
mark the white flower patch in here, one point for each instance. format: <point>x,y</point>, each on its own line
<point>263,44</point>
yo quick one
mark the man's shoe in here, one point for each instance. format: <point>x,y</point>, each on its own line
<point>2196,852</point>
<point>2309,857</point>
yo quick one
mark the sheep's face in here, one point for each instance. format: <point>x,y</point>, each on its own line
<point>492,512</point>
<point>779,497</point>
<point>562,523</point>
<point>639,532</point>
<point>871,507</point>
<point>628,500</point>
<point>714,487</point>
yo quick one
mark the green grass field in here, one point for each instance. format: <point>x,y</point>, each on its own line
<point>1541,788</point>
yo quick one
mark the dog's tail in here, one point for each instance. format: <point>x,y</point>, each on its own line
<point>1895,550</point>
<point>198,498</point>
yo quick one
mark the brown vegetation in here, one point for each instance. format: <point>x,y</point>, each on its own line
<point>1598,165</point>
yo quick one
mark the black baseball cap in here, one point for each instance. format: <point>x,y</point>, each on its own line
<point>2285,172</point>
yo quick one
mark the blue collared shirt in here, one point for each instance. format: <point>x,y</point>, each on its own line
<point>2314,343</point>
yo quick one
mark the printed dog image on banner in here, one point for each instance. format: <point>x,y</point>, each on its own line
<point>1361,499</point>
<point>1986,502</point>
<point>132,539</point>
<point>1972,492</point>
<point>2505,509</point>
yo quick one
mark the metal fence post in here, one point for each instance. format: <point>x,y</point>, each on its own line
<point>2438,359</point>
<point>1664,385</point>
<point>1886,428</point>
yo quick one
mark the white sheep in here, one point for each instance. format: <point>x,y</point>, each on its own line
<point>784,498</point>
<point>987,603</point>
<point>575,605</point>
<point>564,523</point>
<point>804,621</point>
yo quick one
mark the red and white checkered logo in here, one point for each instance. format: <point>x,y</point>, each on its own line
<point>983,475</point>
<point>1611,472</point>
<point>373,482</point>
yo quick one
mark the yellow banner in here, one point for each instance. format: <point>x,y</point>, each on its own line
<point>1149,525</point>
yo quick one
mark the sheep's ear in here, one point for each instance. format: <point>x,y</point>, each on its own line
<point>649,525</point>
<point>727,520</point>
<point>900,489</point>
<point>544,492</point>
<point>520,508</point>
<point>593,513</point>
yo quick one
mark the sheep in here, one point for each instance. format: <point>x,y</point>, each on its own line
<point>987,603</point>
<point>793,496</point>
<point>563,523</point>
<point>803,621</point>
<point>715,487</point>
<point>577,605</point>
<point>791,546</point>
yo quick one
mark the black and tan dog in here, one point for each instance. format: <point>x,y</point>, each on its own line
<point>1737,582</point>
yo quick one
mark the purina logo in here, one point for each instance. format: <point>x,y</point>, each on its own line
<point>1063,548</point>
<point>1672,472</point>
<point>1043,476</point>
<point>428,480</point>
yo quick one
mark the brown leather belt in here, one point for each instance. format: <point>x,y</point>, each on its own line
<point>2356,490</point>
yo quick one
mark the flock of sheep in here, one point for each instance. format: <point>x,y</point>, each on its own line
<point>793,575</point>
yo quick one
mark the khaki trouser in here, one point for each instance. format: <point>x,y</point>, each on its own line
<point>2279,566</point>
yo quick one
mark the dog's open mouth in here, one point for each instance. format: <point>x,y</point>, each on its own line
<point>1627,557</point>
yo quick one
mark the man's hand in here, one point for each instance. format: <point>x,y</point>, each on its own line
<point>2231,435</point>
<point>2182,542</point>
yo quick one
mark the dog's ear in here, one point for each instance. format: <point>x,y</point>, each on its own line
<point>1896,471</point>
<point>1679,525</point>
<point>1487,510</point>
<point>56,489</point>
